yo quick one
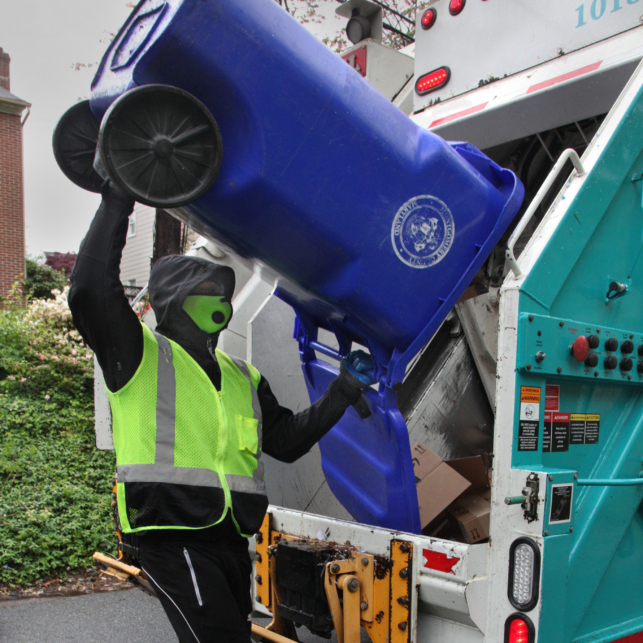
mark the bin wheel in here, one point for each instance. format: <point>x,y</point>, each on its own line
<point>74,142</point>
<point>161,145</point>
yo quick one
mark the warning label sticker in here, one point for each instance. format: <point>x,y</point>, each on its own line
<point>560,432</point>
<point>556,432</point>
<point>530,394</point>
<point>552,397</point>
<point>562,429</point>
<point>561,503</point>
<point>584,428</point>
<point>577,428</point>
<point>547,433</point>
<point>529,417</point>
<point>592,425</point>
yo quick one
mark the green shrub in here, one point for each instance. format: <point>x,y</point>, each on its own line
<point>55,486</point>
<point>41,280</point>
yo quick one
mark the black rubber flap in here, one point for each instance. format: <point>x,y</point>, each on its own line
<point>161,145</point>
<point>74,142</point>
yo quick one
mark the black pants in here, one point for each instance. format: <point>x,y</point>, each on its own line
<point>203,586</point>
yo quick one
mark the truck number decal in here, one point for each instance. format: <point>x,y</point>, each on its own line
<point>597,9</point>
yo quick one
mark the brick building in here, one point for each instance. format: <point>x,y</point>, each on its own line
<point>12,216</point>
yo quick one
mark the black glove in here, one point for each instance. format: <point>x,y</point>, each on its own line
<point>116,200</point>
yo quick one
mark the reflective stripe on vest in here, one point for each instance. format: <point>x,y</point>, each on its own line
<point>163,469</point>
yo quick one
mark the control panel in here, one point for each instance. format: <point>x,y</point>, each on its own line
<point>553,346</point>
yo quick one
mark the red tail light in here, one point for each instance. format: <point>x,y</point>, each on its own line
<point>433,80</point>
<point>456,6</point>
<point>519,629</point>
<point>518,632</point>
<point>428,18</point>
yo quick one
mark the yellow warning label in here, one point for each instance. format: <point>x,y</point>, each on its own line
<point>593,418</point>
<point>530,394</point>
<point>579,417</point>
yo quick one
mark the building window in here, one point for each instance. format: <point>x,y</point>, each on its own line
<point>131,231</point>
<point>131,282</point>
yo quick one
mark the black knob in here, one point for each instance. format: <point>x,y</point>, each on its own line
<point>610,362</point>
<point>627,346</point>
<point>639,367</point>
<point>594,341</point>
<point>640,350</point>
<point>592,360</point>
<point>626,364</point>
<point>611,344</point>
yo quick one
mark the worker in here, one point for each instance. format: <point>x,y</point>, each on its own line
<point>190,424</point>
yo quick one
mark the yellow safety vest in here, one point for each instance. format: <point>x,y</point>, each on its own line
<point>187,453</point>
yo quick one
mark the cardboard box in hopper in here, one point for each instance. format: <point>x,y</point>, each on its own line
<point>440,483</point>
<point>471,512</point>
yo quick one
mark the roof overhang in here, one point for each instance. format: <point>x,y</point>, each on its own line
<point>10,104</point>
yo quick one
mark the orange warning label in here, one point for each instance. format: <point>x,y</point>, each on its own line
<point>530,394</point>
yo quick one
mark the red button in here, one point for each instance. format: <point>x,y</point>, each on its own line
<point>580,348</point>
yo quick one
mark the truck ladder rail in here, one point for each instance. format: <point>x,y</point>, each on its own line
<point>567,155</point>
<point>625,482</point>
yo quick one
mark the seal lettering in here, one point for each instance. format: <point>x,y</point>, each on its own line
<point>423,231</point>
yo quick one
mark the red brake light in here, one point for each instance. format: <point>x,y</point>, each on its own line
<point>433,80</point>
<point>456,6</point>
<point>518,632</point>
<point>519,629</point>
<point>428,18</point>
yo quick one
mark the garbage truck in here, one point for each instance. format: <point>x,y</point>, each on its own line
<point>489,486</point>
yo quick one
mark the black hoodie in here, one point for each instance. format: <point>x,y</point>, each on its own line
<point>172,279</point>
<point>112,330</point>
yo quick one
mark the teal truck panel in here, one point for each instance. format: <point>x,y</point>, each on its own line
<point>579,419</point>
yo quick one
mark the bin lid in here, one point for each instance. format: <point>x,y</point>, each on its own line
<point>367,463</point>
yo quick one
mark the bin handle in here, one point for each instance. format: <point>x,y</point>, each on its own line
<point>567,155</point>
<point>326,350</point>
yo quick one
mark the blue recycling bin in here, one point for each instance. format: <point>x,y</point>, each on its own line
<point>371,225</point>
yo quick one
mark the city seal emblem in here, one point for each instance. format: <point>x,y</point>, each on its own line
<point>423,231</point>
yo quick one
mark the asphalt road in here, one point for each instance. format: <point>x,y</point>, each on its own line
<point>129,616</point>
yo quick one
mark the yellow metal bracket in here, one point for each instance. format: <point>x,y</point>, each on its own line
<point>262,564</point>
<point>346,618</point>
<point>368,605</point>
<point>401,591</point>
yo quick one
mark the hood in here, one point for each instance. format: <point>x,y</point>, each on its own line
<point>172,279</point>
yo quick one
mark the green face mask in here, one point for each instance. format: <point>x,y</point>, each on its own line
<point>210,314</point>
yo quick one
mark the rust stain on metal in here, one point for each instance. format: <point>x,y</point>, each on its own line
<point>382,567</point>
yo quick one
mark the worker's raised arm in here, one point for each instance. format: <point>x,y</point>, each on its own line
<point>98,304</point>
<point>287,436</point>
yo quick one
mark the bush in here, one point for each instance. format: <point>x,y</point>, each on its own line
<point>55,486</point>
<point>42,280</point>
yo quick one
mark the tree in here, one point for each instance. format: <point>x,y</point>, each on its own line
<point>61,261</point>
<point>42,280</point>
